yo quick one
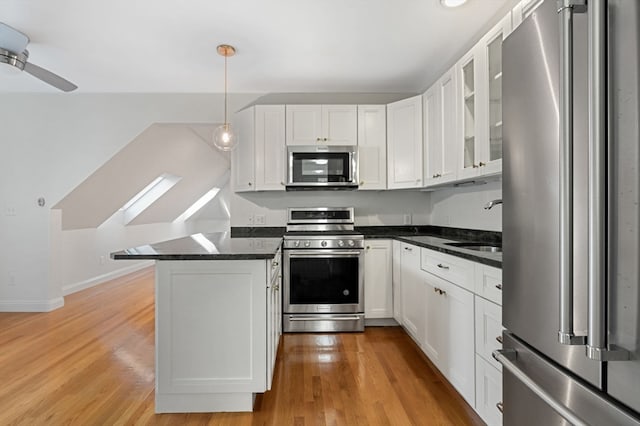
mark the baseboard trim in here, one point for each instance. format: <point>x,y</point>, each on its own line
<point>31,305</point>
<point>82,285</point>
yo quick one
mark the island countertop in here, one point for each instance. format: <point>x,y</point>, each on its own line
<point>210,246</point>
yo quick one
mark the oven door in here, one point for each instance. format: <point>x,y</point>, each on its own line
<point>323,281</point>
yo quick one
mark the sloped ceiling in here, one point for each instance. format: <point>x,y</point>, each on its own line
<point>178,149</point>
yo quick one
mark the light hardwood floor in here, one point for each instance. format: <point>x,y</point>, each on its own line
<point>92,363</point>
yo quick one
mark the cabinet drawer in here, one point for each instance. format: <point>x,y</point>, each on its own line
<point>488,329</point>
<point>488,282</point>
<point>488,392</point>
<point>454,269</point>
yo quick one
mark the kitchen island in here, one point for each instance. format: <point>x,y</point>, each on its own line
<point>217,310</point>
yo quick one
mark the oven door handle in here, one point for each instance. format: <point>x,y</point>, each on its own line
<point>324,253</point>
<point>341,318</point>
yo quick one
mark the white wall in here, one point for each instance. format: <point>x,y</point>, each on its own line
<point>371,207</point>
<point>463,207</point>
<point>49,144</point>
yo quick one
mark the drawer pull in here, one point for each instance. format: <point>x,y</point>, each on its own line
<point>408,248</point>
<point>438,290</point>
<point>499,339</point>
<point>500,406</point>
<point>499,286</point>
<point>441,266</point>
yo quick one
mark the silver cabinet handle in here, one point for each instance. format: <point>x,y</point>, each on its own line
<point>441,266</point>
<point>566,10</point>
<point>499,339</point>
<point>500,406</point>
<point>499,287</point>
<point>408,248</point>
<point>506,358</point>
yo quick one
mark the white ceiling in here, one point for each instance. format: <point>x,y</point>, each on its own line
<point>282,45</point>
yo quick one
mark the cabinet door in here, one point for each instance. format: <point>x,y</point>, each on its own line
<point>449,126</point>
<point>412,292</point>
<point>488,393</point>
<point>372,146</point>
<point>488,330</point>
<point>460,348</point>
<point>243,171</point>
<point>274,320</point>
<point>490,156</point>
<point>404,143</point>
<point>269,147</point>
<point>468,72</point>
<point>211,332</point>
<point>304,124</point>
<point>435,329</point>
<point>432,135</point>
<point>339,125</point>
<point>397,281</point>
<point>378,296</point>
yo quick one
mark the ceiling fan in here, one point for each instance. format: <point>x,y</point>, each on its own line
<point>13,52</point>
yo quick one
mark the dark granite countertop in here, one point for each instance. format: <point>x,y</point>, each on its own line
<point>263,242</point>
<point>214,246</point>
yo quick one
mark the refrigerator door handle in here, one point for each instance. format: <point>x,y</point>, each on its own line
<point>597,348</point>
<point>506,358</point>
<point>566,9</point>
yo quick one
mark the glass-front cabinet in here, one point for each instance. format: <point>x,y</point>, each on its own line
<point>480,105</point>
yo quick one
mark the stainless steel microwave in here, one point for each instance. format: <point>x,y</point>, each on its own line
<point>322,167</point>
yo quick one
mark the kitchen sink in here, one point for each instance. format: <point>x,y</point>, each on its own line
<point>486,247</point>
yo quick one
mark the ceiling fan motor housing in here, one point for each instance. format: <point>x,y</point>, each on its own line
<point>14,59</point>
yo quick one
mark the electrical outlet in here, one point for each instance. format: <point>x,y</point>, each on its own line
<point>250,220</point>
<point>407,219</point>
<point>260,219</point>
<point>446,220</point>
<point>10,211</point>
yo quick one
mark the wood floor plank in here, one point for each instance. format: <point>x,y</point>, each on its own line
<point>92,362</point>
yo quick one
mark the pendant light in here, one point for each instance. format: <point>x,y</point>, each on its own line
<point>224,138</point>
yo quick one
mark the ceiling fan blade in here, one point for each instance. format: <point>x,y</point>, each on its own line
<point>49,77</point>
<point>12,39</point>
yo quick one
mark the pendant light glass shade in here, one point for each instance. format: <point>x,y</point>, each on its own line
<point>224,137</point>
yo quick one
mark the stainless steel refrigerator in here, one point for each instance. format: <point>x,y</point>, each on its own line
<point>571,249</point>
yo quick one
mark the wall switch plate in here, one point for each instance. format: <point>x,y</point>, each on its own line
<point>250,220</point>
<point>260,219</point>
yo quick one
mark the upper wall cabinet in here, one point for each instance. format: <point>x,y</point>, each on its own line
<point>372,146</point>
<point>321,124</point>
<point>404,143</point>
<point>479,78</point>
<point>258,163</point>
<point>440,129</point>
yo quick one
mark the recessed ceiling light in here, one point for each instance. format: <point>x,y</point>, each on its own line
<point>452,3</point>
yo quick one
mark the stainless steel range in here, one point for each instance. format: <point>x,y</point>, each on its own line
<point>323,271</point>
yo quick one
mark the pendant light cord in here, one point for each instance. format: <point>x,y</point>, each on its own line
<point>226,126</point>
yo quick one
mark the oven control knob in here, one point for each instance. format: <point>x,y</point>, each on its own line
<point>323,243</point>
<point>340,243</point>
<point>296,243</point>
<point>351,243</point>
<point>307,243</point>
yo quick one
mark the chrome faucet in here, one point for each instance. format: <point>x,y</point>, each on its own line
<point>492,203</point>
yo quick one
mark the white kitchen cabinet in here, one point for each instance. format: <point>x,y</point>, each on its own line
<point>449,333</point>
<point>413,292</point>
<point>321,125</point>
<point>488,282</point>
<point>404,143</point>
<point>488,326</point>
<point>211,334</point>
<point>397,280</point>
<point>479,78</point>
<point>378,290</point>
<point>258,162</point>
<point>522,10</point>
<point>372,146</point>
<point>274,315</point>
<point>440,144</point>
<point>488,392</point>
